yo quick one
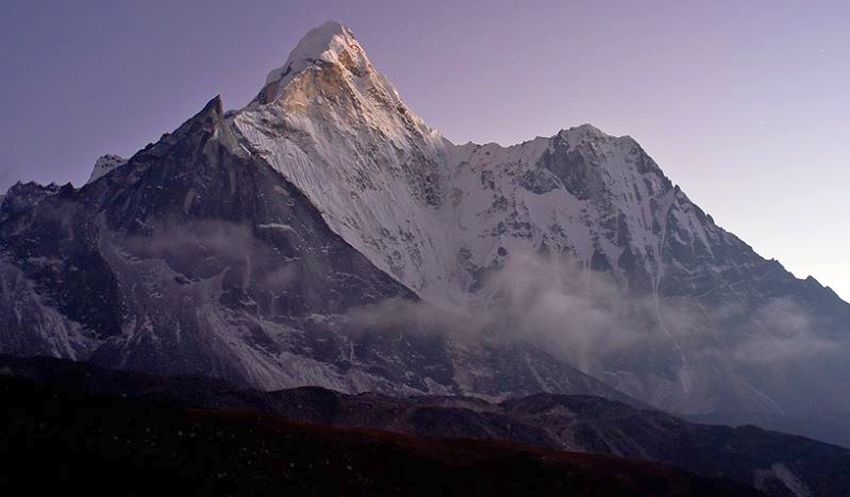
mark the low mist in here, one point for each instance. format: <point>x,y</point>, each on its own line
<point>635,341</point>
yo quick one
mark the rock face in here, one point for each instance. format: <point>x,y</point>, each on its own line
<point>324,234</point>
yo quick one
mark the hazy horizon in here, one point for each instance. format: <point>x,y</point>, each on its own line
<point>744,105</point>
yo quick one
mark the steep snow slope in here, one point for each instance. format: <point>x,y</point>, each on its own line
<point>339,131</point>
<point>104,165</point>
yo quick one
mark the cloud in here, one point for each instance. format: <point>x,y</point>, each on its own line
<point>678,352</point>
<point>780,331</point>
<point>577,315</point>
<point>589,321</point>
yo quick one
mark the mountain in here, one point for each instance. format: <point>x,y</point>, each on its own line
<point>457,223</point>
<point>325,235</point>
<point>774,463</point>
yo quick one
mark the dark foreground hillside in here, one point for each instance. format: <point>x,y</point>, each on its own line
<point>63,441</point>
<point>777,464</point>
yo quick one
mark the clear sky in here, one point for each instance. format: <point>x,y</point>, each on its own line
<point>746,105</point>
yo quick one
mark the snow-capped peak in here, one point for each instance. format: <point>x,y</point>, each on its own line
<point>332,43</point>
<point>437,216</point>
<point>105,164</point>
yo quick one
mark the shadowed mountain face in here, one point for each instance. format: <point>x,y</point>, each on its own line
<point>775,463</point>
<point>325,235</point>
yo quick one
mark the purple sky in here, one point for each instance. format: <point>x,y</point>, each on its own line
<point>746,105</point>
